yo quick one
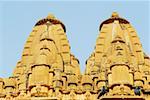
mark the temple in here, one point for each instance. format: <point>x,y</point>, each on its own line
<point>117,69</point>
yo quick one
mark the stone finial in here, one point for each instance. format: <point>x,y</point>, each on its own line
<point>114,15</point>
<point>50,16</point>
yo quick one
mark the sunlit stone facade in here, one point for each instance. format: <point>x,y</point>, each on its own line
<point>118,68</point>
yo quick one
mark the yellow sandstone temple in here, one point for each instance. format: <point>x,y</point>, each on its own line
<point>117,69</point>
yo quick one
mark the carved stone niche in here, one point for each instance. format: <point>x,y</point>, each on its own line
<point>102,79</point>
<point>121,90</point>
<point>10,87</point>
<point>87,83</point>
<point>39,91</point>
<point>72,82</point>
<point>138,80</point>
<point>39,80</point>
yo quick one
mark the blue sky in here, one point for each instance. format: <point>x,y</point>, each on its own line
<point>81,18</point>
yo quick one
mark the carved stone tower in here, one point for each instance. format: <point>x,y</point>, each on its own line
<point>118,69</point>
